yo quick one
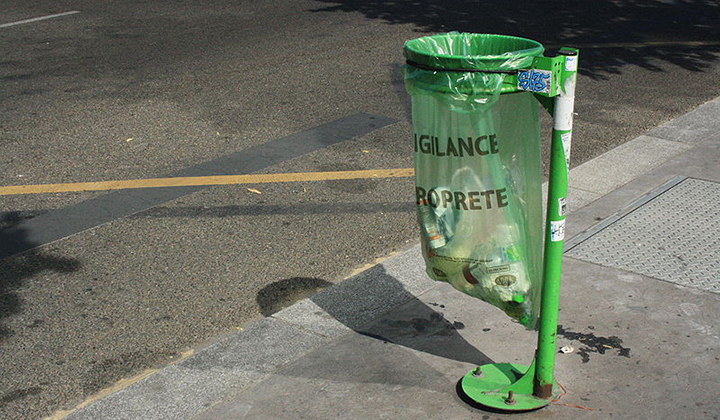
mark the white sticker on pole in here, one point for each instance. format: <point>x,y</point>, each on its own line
<point>566,142</point>
<point>557,230</point>
<point>570,63</point>
<point>562,206</point>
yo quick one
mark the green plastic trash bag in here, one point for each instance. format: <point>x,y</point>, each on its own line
<point>477,167</point>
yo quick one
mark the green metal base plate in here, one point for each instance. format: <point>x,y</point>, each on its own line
<point>505,387</point>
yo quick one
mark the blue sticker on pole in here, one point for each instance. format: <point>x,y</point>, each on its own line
<point>533,80</point>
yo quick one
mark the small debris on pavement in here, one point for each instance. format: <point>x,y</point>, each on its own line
<point>566,349</point>
<point>254,191</point>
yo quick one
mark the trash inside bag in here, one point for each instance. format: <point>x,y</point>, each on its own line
<point>477,168</point>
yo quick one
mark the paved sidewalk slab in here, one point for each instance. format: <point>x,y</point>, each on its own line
<point>644,349</point>
<point>621,165</point>
<point>216,372</point>
<point>702,161</point>
<point>674,237</point>
<point>695,127</point>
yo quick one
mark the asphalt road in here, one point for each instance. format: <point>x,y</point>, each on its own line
<point>139,89</point>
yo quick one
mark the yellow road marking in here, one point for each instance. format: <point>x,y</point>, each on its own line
<point>204,181</point>
<point>368,266</point>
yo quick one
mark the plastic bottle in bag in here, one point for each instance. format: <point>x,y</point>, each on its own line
<point>503,278</point>
<point>429,224</point>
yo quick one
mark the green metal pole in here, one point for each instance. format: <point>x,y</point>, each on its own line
<point>514,387</point>
<point>555,227</point>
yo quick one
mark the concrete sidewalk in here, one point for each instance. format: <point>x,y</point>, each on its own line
<point>639,303</point>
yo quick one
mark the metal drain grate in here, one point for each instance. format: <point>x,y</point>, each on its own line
<point>674,237</point>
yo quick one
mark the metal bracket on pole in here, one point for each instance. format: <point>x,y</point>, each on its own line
<point>546,78</point>
<point>512,387</point>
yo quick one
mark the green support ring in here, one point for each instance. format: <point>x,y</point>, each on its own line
<point>505,387</point>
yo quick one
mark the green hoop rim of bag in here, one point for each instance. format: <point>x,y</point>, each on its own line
<point>469,63</point>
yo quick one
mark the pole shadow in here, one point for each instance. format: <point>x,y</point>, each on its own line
<point>276,209</point>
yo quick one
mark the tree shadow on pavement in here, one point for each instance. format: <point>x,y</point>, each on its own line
<point>611,34</point>
<point>15,269</point>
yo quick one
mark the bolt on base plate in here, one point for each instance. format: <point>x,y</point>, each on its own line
<point>505,387</point>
